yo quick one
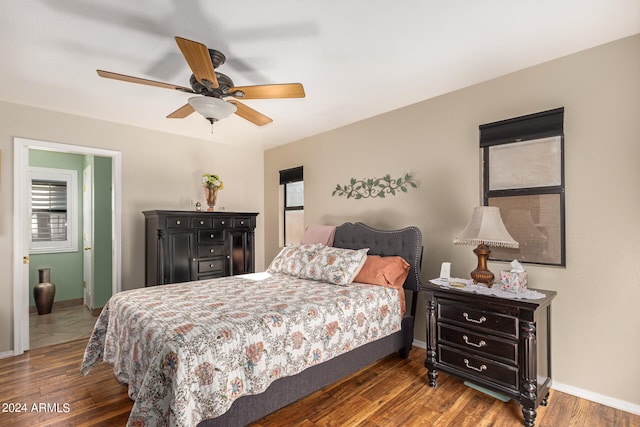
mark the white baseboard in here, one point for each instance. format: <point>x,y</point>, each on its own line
<point>578,392</point>
<point>597,398</point>
<point>5,354</point>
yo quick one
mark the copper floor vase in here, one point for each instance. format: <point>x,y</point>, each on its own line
<point>44,292</point>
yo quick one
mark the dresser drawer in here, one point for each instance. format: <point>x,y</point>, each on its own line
<point>477,318</point>
<point>207,236</point>
<point>211,275</point>
<point>201,222</point>
<point>479,367</point>
<point>240,222</point>
<point>207,251</point>
<point>177,222</point>
<point>211,266</point>
<point>482,344</point>
<point>221,222</point>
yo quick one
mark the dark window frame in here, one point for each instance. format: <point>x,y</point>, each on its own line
<point>290,176</point>
<point>521,129</point>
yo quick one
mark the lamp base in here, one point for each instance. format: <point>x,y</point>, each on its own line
<point>482,274</point>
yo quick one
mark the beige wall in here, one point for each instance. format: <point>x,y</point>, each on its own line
<point>159,171</point>
<point>596,324</point>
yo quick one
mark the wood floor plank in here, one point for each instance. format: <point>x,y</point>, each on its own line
<point>393,392</point>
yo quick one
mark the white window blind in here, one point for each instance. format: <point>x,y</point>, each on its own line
<point>48,211</point>
<point>54,210</point>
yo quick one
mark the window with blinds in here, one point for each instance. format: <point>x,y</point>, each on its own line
<point>54,216</point>
<point>48,211</point>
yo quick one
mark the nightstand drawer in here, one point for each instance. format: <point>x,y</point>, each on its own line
<point>207,251</point>
<point>206,236</point>
<point>211,266</point>
<point>482,344</point>
<point>478,319</point>
<point>479,367</point>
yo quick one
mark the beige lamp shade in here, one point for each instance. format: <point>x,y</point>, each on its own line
<point>486,227</point>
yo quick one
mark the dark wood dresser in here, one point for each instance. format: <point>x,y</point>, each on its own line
<point>182,246</point>
<point>503,345</point>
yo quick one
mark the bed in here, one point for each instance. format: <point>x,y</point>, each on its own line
<point>175,345</point>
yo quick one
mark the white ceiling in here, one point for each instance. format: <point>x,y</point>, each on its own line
<point>356,58</point>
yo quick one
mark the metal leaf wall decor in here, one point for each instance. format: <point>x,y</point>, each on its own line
<point>375,187</point>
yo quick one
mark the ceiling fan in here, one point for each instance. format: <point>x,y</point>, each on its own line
<point>212,87</point>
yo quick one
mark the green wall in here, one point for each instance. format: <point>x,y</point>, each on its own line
<point>66,267</point>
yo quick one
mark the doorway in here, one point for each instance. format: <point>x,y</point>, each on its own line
<point>22,225</point>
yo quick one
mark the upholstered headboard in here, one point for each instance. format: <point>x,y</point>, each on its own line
<point>406,242</point>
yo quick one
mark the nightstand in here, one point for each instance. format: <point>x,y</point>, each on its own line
<point>501,344</point>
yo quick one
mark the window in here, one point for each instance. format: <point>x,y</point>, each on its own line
<point>524,177</point>
<point>54,217</point>
<point>292,205</point>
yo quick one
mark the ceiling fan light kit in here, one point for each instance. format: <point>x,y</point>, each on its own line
<point>212,109</point>
<point>212,86</point>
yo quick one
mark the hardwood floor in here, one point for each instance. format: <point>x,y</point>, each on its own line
<point>63,324</point>
<point>393,392</point>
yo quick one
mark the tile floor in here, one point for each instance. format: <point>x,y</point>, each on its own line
<point>61,325</point>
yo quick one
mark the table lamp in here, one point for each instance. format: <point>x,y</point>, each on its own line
<point>485,229</point>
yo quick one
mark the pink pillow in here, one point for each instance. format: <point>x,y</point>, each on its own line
<point>390,272</point>
<point>319,234</point>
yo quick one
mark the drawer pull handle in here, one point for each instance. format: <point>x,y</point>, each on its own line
<point>480,344</point>
<point>480,369</point>
<point>212,236</point>
<point>212,250</point>
<point>241,222</point>
<point>222,222</point>
<point>201,222</point>
<point>178,222</point>
<point>481,320</point>
<point>211,265</point>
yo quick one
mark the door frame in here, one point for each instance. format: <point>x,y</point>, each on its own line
<point>21,225</point>
<point>87,236</point>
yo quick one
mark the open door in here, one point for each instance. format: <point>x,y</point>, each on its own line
<point>87,234</point>
<point>22,227</point>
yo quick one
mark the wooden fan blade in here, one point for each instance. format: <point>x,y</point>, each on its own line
<point>125,78</point>
<point>197,56</point>
<point>181,112</point>
<point>286,90</point>
<point>250,114</point>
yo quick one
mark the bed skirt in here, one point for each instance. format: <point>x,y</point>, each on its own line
<point>284,391</point>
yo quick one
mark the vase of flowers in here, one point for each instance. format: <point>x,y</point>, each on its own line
<point>212,184</point>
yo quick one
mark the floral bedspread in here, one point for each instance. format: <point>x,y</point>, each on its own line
<point>188,350</point>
